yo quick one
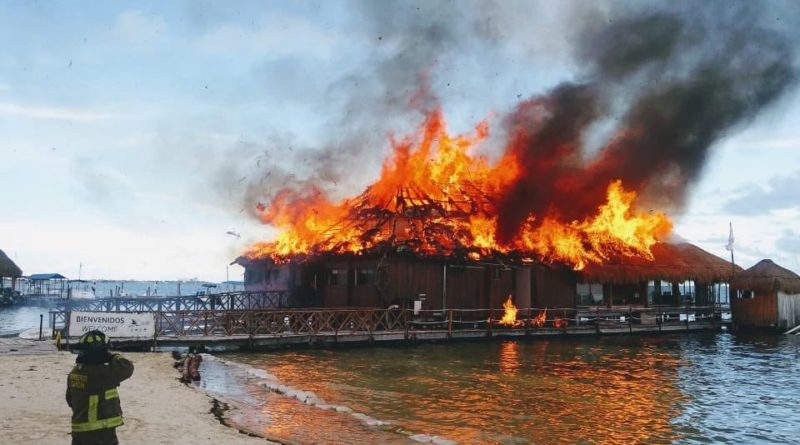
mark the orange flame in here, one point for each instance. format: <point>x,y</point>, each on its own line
<point>510,315</point>
<point>435,198</point>
<point>539,320</point>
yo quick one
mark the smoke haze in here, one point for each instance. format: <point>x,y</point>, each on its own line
<point>671,81</point>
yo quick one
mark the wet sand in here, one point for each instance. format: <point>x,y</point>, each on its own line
<point>157,408</point>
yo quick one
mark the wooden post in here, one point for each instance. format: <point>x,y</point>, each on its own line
<point>630,322</point>
<point>528,322</point>
<point>450,323</point>
<point>155,332</point>
<point>406,322</point>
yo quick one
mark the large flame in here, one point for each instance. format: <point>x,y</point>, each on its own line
<point>435,197</point>
<point>510,314</point>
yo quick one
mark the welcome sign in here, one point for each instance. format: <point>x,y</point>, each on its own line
<point>113,324</point>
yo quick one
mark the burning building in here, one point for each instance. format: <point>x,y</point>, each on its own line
<point>429,230</point>
<point>542,216</point>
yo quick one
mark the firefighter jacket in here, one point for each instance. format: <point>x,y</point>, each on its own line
<point>92,394</point>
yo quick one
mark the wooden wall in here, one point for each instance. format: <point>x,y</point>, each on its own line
<point>400,281</point>
<point>788,310</point>
<point>263,276</point>
<point>501,285</point>
<point>761,311</point>
<point>406,279</point>
<point>467,287</point>
<point>334,295</point>
<point>553,287</point>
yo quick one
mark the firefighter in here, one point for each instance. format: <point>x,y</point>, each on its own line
<point>92,391</point>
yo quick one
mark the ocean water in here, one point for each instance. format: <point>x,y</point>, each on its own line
<point>15,318</point>
<point>693,388</point>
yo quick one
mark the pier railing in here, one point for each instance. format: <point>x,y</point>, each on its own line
<point>231,301</point>
<point>175,323</point>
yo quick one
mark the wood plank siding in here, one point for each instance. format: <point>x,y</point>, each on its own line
<point>760,311</point>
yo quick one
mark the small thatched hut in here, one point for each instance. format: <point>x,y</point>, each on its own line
<point>767,295</point>
<point>8,271</point>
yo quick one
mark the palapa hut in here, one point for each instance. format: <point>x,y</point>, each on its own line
<point>9,272</point>
<point>766,295</point>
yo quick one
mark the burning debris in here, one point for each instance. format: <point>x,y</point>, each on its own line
<point>539,320</point>
<point>509,318</point>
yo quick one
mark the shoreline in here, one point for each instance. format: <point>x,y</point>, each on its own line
<point>158,409</point>
<point>219,408</point>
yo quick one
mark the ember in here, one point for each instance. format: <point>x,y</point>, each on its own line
<point>435,198</point>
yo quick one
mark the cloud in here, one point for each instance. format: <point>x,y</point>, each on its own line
<point>789,241</point>
<point>791,143</point>
<point>137,27</point>
<point>103,186</point>
<point>279,35</point>
<point>780,193</point>
<point>54,113</point>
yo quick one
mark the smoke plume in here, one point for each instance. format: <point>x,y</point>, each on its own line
<point>671,81</point>
<point>680,80</point>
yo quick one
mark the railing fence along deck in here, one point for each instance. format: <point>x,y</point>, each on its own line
<point>222,301</point>
<point>208,317</point>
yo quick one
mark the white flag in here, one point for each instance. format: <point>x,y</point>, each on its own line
<point>729,246</point>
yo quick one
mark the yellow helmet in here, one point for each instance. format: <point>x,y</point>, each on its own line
<point>93,341</point>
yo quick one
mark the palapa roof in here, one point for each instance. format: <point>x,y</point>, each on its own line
<point>46,276</point>
<point>767,277</point>
<point>672,262</point>
<point>8,268</point>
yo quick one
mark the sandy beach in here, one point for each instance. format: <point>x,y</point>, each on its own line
<point>158,409</point>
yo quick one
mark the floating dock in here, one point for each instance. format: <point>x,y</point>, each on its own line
<point>236,322</point>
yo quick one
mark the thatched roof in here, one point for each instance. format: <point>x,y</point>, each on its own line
<point>8,268</point>
<point>767,277</point>
<point>671,262</point>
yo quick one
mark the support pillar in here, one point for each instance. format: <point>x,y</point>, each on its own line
<point>522,287</point>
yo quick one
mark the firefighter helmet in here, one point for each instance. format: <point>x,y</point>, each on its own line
<point>93,341</point>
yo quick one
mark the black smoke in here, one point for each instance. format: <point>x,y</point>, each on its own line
<point>676,80</point>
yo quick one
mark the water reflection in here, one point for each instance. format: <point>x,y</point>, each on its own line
<point>599,391</point>
<point>509,362</point>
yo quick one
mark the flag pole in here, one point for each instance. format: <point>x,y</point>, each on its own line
<point>730,247</point>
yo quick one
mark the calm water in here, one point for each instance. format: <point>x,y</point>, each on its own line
<point>16,318</point>
<point>710,388</point>
<point>19,317</point>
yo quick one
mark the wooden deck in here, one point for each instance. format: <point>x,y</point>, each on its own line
<point>227,330</point>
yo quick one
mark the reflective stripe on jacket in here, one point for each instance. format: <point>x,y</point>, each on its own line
<point>92,394</point>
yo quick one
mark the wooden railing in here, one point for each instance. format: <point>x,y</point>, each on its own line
<point>223,301</point>
<point>278,322</point>
<point>341,321</point>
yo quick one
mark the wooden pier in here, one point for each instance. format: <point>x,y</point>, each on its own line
<point>212,323</point>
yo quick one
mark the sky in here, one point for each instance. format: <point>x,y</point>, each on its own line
<point>136,138</point>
